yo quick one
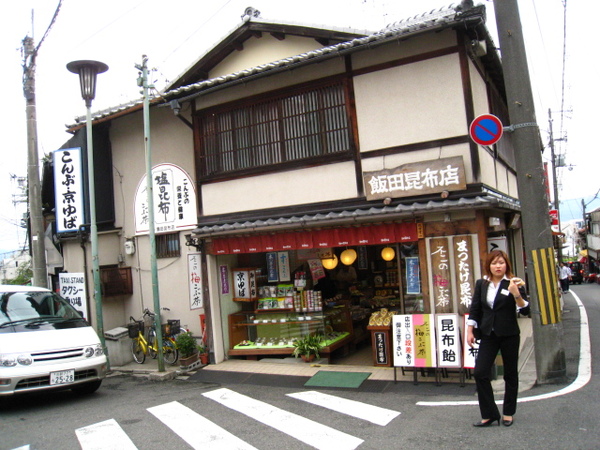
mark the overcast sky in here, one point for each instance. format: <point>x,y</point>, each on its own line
<point>173,34</point>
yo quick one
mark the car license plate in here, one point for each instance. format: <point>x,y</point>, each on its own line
<point>62,377</point>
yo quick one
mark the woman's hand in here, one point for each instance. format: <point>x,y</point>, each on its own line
<point>470,336</point>
<point>513,288</point>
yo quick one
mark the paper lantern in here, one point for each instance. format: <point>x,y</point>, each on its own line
<point>348,256</point>
<point>330,263</point>
<point>388,253</point>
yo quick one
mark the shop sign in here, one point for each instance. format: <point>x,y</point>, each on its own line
<point>224,272</point>
<point>440,272</point>
<point>470,353</point>
<point>413,280</point>
<point>272,271</point>
<point>244,285</point>
<point>448,340</point>
<point>425,177</point>
<point>283,266</point>
<point>195,280</point>
<point>174,198</point>
<point>414,340</point>
<point>463,263</point>
<point>72,288</point>
<point>381,347</point>
<point>68,189</point>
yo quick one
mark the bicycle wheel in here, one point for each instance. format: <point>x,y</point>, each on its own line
<point>137,351</point>
<point>170,353</point>
<point>151,340</point>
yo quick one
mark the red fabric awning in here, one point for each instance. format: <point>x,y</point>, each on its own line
<point>381,234</point>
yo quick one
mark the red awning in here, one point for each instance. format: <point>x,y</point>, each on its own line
<point>382,234</point>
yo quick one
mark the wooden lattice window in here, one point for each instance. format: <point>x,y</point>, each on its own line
<point>306,124</point>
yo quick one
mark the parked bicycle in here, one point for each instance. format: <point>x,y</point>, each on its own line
<point>140,346</point>
<point>170,330</point>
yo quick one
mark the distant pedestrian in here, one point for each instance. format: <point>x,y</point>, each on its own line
<point>565,275</point>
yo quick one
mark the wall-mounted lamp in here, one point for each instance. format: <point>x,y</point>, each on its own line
<point>330,263</point>
<point>388,254</point>
<point>193,241</point>
<point>348,256</point>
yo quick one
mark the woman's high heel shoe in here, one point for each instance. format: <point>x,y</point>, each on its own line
<point>487,423</point>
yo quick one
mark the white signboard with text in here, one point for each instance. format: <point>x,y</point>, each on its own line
<point>68,189</point>
<point>72,288</point>
<point>448,340</point>
<point>174,198</point>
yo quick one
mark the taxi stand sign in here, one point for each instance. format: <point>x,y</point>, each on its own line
<point>486,129</point>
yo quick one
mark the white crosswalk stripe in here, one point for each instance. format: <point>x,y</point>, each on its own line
<point>310,432</point>
<point>360,410</point>
<point>104,436</point>
<point>186,423</point>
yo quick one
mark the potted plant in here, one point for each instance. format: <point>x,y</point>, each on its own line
<point>308,347</point>
<point>188,348</point>
<point>203,354</point>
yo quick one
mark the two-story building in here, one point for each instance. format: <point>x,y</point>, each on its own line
<point>305,178</point>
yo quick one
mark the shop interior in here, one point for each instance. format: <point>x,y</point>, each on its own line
<point>340,294</point>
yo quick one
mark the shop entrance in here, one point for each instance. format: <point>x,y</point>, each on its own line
<point>339,293</point>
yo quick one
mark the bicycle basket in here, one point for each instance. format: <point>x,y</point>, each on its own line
<point>134,328</point>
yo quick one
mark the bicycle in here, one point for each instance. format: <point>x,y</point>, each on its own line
<point>140,346</point>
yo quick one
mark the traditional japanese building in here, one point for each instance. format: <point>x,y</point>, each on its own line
<point>306,178</point>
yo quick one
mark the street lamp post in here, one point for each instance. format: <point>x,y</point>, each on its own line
<point>87,71</point>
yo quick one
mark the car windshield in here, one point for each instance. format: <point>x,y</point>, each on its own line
<point>23,307</point>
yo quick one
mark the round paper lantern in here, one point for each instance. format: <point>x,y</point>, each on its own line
<point>388,253</point>
<point>348,256</point>
<point>330,263</point>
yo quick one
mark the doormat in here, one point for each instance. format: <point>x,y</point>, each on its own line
<point>325,378</point>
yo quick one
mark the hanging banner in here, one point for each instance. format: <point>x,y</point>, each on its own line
<point>72,288</point>
<point>448,340</point>
<point>68,189</point>
<point>283,266</point>
<point>463,263</point>
<point>224,273</point>
<point>414,340</point>
<point>272,270</point>
<point>174,198</point>
<point>440,273</point>
<point>413,280</point>
<point>470,353</point>
<point>195,280</point>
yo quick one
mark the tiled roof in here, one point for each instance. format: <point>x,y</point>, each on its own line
<point>432,20</point>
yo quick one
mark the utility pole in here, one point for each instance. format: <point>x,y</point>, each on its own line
<point>537,236</point>
<point>555,183</point>
<point>143,82</point>
<point>36,219</point>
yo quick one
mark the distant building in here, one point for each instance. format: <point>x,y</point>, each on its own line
<point>9,267</point>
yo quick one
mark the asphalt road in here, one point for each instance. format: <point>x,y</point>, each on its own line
<point>562,416</point>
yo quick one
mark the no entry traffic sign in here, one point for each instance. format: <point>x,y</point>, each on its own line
<point>486,129</point>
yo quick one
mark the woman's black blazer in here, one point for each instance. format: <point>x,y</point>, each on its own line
<point>502,318</point>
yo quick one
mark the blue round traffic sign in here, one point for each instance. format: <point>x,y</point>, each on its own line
<point>486,129</point>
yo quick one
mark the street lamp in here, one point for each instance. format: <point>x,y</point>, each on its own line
<point>87,71</point>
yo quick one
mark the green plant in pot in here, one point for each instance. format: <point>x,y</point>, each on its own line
<point>187,346</point>
<point>308,347</point>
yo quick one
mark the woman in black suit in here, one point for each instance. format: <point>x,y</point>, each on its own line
<point>493,317</point>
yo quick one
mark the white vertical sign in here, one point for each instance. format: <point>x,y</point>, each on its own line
<point>448,340</point>
<point>403,345</point>
<point>68,189</point>
<point>195,280</point>
<point>72,288</point>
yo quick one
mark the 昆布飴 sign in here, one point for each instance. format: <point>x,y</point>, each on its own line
<point>424,177</point>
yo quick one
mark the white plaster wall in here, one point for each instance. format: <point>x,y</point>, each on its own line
<point>296,187</point>
<point>259,51</point>
<point>418,102</point>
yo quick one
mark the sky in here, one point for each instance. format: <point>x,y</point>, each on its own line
<point>173,34</point>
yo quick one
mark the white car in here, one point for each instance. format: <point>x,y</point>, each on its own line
<point>46,344</point>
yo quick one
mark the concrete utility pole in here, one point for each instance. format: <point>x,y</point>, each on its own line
<point>548,338</point>
<point>555,183</point>
<point>36,219</point>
